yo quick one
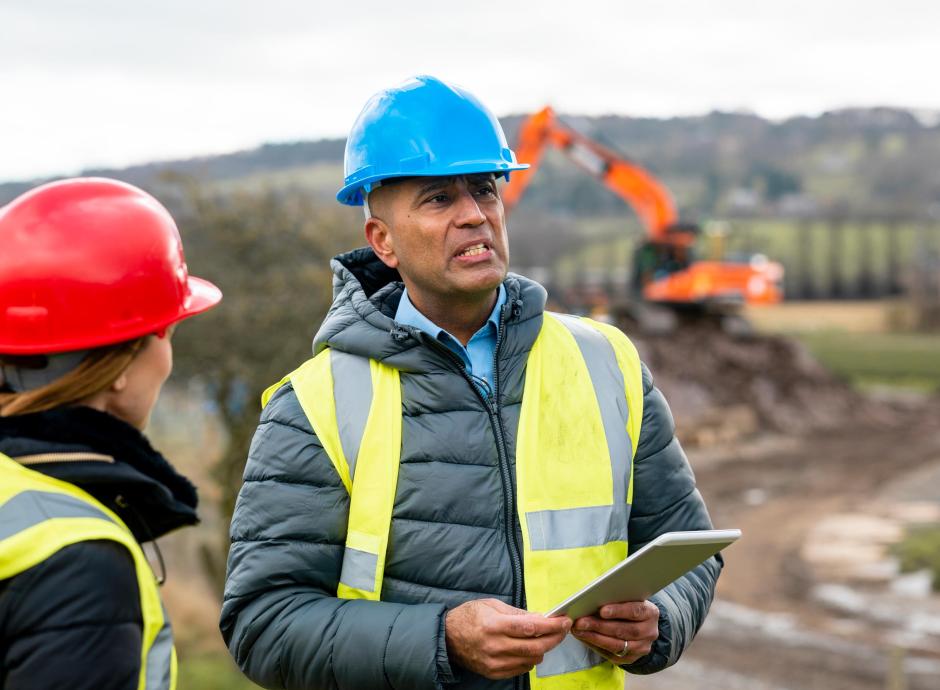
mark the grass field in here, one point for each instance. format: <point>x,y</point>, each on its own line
<point>211,672</point>
<point>921,550</point>
<point>859,341</point>
<point>320,178</point>
<point>907,360</point>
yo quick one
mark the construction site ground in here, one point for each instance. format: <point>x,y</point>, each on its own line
<point>771,626</point>
<point>822,479</point>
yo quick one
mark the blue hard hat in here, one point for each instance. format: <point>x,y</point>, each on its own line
<point>423,127</point>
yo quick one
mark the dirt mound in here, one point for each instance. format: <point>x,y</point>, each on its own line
<point>722,387</point>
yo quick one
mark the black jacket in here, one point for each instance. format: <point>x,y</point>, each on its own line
<point>73,622</point>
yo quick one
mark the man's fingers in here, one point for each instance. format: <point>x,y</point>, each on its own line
<point>503,607</point>
<point>630,611</point>
<point>615,628</point>
<point>611,647</point>
<point>534,647</point>
<point>510,667</point>
<point>534,625</point>
<point>634,621</point>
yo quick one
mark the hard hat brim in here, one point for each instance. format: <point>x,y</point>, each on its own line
<point>203,296</point>
<point>351,193</point>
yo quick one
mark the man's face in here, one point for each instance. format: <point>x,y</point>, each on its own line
<point>445,235</point>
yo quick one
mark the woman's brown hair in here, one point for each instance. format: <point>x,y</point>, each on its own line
<point>98,370</point>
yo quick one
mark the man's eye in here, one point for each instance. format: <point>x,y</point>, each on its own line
<point>437,199</point>
<point>486,190</point>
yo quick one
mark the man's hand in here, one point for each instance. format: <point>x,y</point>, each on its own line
<point>633,622</point>
<point>497,640</point>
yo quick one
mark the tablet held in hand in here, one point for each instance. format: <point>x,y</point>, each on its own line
<point>647,571</point>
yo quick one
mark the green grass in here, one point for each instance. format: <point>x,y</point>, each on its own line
<point>910,360</point>
<point>211,672</point>
<point>921,550</point>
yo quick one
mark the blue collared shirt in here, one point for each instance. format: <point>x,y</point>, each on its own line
<point>478,355</point>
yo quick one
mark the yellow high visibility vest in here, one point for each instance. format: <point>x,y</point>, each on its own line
<point>580,419</point>
<point>40,515</point>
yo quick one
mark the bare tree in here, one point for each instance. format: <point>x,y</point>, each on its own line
<point>269,252</point>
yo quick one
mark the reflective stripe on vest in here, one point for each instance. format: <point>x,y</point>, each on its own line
<point>579,423</point>
<point>40,515</point>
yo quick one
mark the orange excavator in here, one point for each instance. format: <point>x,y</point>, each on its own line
<point>665,270</point>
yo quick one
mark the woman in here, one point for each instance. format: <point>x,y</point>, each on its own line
<point>92,282</point>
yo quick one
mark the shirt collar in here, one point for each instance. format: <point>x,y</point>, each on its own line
<point>408,315</point>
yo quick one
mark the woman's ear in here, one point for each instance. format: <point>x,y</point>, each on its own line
<point>120,383</point>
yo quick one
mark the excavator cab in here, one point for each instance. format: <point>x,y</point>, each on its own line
<point>654,261</point>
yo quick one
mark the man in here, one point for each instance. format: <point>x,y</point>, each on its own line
<point>453,460</point>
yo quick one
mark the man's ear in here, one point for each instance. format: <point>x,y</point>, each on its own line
<point>380,239</point>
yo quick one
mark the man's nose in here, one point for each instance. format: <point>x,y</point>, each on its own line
<point>468,209</point>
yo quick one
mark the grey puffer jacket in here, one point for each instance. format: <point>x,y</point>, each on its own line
<point>454,534</point>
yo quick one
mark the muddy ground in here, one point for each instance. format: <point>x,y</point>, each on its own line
<point>770,628</point>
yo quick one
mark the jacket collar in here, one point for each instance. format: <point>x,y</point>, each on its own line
<point>109,459</point>
<point>366,294</point>
<point>407,314</point>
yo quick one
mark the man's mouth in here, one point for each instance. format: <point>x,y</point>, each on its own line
<point>474,250</point>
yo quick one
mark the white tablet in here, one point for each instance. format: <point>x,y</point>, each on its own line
<point>647,571</point>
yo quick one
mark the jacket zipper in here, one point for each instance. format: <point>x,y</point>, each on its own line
<point>44,458</point>
<point>509,498</point>
<point>492,408</point>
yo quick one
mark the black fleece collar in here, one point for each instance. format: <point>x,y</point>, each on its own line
<point>160,498</point>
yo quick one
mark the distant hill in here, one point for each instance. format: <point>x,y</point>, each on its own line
<point>264,160</point>
<point>865,160</point>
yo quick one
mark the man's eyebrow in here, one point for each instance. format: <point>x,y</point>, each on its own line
<point>438,183</point>
<point>479,178</point>
<point>434,184</point>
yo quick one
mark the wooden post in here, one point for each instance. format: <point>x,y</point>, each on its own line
<point>804,249</point>
<point>896,680</point>
<point>866,282</point>
<point>611,269</point>
<point>836,259</point>
<point>894,286</point>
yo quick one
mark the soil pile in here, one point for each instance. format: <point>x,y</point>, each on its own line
<point>722,387</point>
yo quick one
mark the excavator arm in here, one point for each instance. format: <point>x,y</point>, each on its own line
<point>648,197</point>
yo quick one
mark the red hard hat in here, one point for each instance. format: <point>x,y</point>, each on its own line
<point>88,262</point>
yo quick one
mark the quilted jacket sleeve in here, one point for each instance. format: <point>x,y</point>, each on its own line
<point>281,618</point>
<point>665,500</point>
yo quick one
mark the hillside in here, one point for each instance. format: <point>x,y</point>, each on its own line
<point>875,160</point>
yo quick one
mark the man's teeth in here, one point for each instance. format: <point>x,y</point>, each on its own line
<point>474,250</point>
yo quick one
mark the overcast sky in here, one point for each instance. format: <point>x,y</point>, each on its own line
<point>116,82</point>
